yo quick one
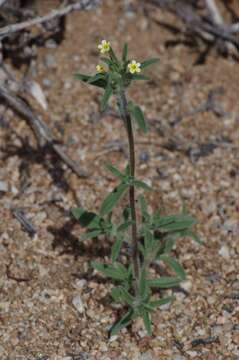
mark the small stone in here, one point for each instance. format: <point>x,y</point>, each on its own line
<point>3,186</point>
<point>193,354</point>
<point>177,357</point>
<point>224,252</point>
<point>50,61</point>
<point>80,283</point>
<point>47,83</point>
<point>186,285</point>
<point>78,304</point>
<point>51,44</point>
<point>146,356</point>
<point>144,156</point>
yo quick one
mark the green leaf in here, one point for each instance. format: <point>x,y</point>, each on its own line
<point>139,77</point>
<point>102,83</point>
<point>107,94</point>
<point>144,209</point>
<point>143,285</point>
<point>142,185</point>
<point>157,303</point>
<point>147,321</point>
<point>111,200</point>
<point>174,264</point>
<point>149,62</point>
<point>194,236</point>
<point>116,248</point>
<point>121,323</point>
<point>113,56</point>
<point>138,116</point>
<point>124,226</point>
<point>115,171</point>
<point>116,271</point>
<point>125,53</point>
<point>173,222</point>
<point>95,78</point>
<point>91,234</point>
<point>164,282</point>
<point>86,218</point>
<point>106,61</point>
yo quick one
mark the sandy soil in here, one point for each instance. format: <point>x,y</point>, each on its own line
<point>189,155</point>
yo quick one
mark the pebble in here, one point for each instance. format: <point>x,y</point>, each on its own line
<point>224,252</point>
<point>144,156</point>
<point>47,83</point>
<point>78,304</point>
<point>177,357</point>
<point>51,44</point>
<point>50,61</point>
<point>3,186</point>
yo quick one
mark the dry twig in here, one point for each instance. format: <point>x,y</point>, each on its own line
<point>80,5</point>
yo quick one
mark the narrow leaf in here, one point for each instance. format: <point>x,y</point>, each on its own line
<point>139,77</point>
<point>164,282</point>
<point>164,301</point>
<point>96,77</point>
<point>142,185</point>
<point>115,171</point>
<point>147,321</point>
<point>91,234</point>
<point>111,200</point>
<point>115,250</point>
<point>102,83</point>
<point>121,323</point>
<point>138,116</point>
<point>107,94</point>
<point>125,53</point>
<point>86,218</point>
<point>114,271</point>
<point>149,62</point>
<point>174,264</point>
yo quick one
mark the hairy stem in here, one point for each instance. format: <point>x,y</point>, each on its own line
<point>123,107</point>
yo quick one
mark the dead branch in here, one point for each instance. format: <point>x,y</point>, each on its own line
<point>40,129</point>
<point>210,31</point>
<point>80,5</point>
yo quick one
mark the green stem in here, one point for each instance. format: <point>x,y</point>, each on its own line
<point>123,107</point>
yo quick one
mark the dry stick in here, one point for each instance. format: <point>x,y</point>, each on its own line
<point>41,130</point>
<point>195,23</point>
<point>80,5</point>
<point>122,101</point>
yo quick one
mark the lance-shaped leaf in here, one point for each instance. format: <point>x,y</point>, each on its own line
<point>165,282</point>
<point>86,218</point>
<point>116,271</point>
<point>142,185</point>
<point>125,53</point>
<point>122,323</point>
<point>173,222</point>
<point>144,209</point>
<point>174,264</point>
<point>149,62</point>
<point>139,77</point>
<point>100,82</point>
<point>95,78</point>
<point>107,94</point>
<point>115,250</point>
<point>115,171</point>
<point>154,304</point>
<point>112,199</point>
<point>91,234</point>
<point>138,116</point>
<point>147,320</point>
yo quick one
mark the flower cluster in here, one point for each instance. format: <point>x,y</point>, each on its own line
<point>104,47</point>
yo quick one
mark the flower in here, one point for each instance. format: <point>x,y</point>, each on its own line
<point>104,46</point>
<point>134,67</point>
<point>100,68</point>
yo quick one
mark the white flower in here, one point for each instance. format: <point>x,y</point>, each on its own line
<point>104,47</point>
<point>134,67</point>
